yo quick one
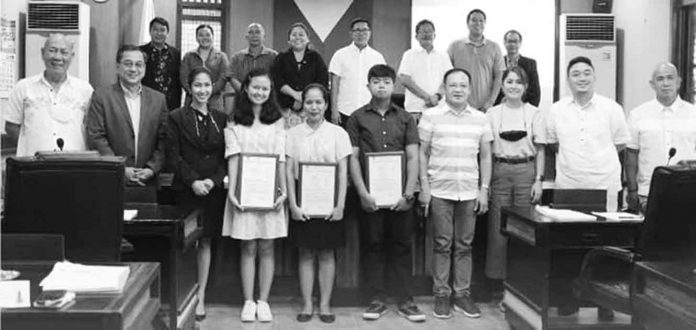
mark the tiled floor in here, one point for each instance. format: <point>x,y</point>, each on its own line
<point>227,317</point>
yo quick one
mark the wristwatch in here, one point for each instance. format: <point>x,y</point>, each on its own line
<point>540,178</point>
<point>408,198</point>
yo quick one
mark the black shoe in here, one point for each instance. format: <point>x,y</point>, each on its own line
<point>200,317</point>
<point>375,310</point>
<point>467,306</point>
<point>302,317</point>
<point>411,312</point>
<point>442,308</point>
<point>605,314</point>
<point>327,318</point>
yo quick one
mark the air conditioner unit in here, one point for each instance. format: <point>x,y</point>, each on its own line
<point>592,36</point>
<point>67,17</point>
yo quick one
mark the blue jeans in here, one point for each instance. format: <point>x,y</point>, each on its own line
<point>511,185</point>
<point>454,223</point>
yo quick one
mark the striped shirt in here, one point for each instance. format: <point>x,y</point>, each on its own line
<point>452,139</point>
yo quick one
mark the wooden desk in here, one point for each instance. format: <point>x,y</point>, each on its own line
<point>544,257</point>
<point>134,309</point>
<point>663,294</point>
<point>168,234</point>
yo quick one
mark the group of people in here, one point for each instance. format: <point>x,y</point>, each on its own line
<point>472,138</point>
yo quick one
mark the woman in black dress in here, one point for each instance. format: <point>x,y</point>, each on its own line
<point>318,141</point>
<point>293,70</point>
<point>195,154</point>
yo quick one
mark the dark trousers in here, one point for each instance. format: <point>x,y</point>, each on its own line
<point>386,238</point>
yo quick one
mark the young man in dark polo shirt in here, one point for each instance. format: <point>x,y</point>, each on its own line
<point>381,126</point>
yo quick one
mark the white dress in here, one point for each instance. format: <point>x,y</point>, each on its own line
<point>257,138</point>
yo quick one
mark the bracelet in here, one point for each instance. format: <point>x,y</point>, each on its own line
<point>484,186</point>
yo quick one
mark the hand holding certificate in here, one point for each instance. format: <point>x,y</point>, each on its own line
<point>257,181</point>
<point>385,177</point>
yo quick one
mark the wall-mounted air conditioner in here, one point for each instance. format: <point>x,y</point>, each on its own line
<point>592,36</point>
<point>67,17</point>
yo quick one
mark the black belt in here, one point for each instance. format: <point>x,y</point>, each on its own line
<point>513,160</point>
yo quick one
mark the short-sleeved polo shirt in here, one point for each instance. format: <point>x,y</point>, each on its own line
<point>481,61</point>
<point>351,64</point>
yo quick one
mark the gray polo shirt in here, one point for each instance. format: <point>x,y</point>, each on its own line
<point>481,62</point>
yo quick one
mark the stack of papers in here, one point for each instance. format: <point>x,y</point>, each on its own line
<point>86,279</point>
<point>620,216</point>
<point>563,214</point>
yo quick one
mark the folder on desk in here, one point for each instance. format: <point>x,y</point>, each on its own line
<point>86,278</point>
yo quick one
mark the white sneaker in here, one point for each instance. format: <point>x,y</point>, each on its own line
<point>263,311</point>
<point>249,311</point>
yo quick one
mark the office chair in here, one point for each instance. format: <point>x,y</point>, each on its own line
<point>78,196</point>
<point>668,233</point>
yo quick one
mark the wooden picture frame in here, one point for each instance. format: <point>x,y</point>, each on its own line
<point>253,170</point>
<point>323,176</point>
<point>384,176</point>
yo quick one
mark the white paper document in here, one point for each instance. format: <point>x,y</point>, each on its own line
<point>14,294</point>
<point>385,178</point>
<point>86,279</point>
<point>563,214</point>
<point>620,216</point>
<point>257,182</point>
<point>129,214</point>
<point>318,189</point>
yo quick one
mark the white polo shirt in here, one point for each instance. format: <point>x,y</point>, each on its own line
<point>352,64</point>
<point>46,114</point>
<point>427,70</point>
<point>654,130</point>
<point>586,137</point>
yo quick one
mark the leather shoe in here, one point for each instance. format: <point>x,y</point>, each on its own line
<point>327,318</point>
<point>605,314</point>
<point>302,317</point>
<point>200,317</point>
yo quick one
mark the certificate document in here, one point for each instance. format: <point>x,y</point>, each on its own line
<point>318,188</point>
<point>257,181</point>
<point>385,177</point>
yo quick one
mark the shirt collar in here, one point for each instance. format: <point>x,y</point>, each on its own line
<point>672,107</point>
<point>371,107</point>
<point>352,44</point>
<point>166,47</point>
<point>264,51</point>
<point>128,93</point>
<point>483,43</point>
<point>589,104</point>
<point>43,80</point>
<point>467,111</point>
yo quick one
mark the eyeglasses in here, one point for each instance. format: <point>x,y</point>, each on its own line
<point>137,65</point>
<point>360,30</point>
<point>58,51</point>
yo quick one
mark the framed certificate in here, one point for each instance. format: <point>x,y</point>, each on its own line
<point>257,181</point>
<point>317,189</point>
<point>384,176</point>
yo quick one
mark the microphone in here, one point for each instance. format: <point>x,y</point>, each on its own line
<point>672,152</point>
<point>60,143</point>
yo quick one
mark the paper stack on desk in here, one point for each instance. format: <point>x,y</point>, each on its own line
<point>563,214</point>
<point>86,279</point>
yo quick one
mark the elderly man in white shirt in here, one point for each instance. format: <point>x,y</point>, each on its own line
<point>663,123</point>
<point>590,130</point>
<point>421,71</point>
<point>348,68</point>
<point>50,106</point>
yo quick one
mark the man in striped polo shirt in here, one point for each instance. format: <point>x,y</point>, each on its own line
<point>452,135</point>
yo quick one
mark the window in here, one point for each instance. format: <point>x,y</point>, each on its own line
<point>195,13</point>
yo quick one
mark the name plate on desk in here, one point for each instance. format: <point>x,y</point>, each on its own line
<point>14,294</point>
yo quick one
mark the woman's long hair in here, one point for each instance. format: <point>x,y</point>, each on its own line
<point>243,113</point>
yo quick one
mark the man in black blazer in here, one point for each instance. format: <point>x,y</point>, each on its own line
<point>128,119</point>
<point>512,41</point>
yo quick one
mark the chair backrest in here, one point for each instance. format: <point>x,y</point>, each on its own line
<point>669,229</point>
<point>584,200</point>
<point>32,247</point>
<point>80,198</point>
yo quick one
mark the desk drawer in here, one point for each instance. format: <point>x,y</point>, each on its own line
<point>584,235</point>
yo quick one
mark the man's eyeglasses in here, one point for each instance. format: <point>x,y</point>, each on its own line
<point>360,30</point>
